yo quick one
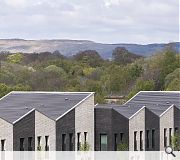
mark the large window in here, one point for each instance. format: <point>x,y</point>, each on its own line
<point>141,140</point>
<point>165,137</point>
<point>153,138</point>
<point>21,144</point>
<point>29,143</point>
<point>135,141</point>
<point>71,141</point>
<point>147,138</point>
<point>63,142</point>
<point>103,142</point>
<point>3,145</point>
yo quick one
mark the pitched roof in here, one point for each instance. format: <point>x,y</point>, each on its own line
<point>124,110</point>
<point>156,101</point>
<point>52,104</point>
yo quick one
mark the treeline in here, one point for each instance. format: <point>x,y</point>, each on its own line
<point>125,74</point>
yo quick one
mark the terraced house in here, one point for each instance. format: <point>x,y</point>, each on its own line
<point>66,121</point>
<point>146,122</point>
<point>46,121</point>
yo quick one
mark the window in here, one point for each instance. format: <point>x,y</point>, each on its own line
<point>176,130</point>
<point>39,143</point>
<point>135,141</point>
<point>78,141</point>
<point>115,142</point>
<point>141,140</point>
<point>47,143</point>
<point>147,138</point>
<point>103,142</point>
<point>3,145</point>
<point>153,138</point>
<point>121,136</point>
<point>85,137</point>
<point>165,137</point>
<point>85,140</point>
<point>63,142</point>
<point>170,136</point>
<point>21,144</point>
<point>29,143</point>
<point>71,141</point>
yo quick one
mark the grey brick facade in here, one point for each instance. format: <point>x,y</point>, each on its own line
<point>50,121</point>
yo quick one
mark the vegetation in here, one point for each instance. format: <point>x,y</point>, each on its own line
<point>176,142</point>
<point>85,147</point>
<point>125,74</point>
<point>122,147</point>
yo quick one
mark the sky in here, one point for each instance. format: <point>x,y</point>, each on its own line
<point>105,21</point>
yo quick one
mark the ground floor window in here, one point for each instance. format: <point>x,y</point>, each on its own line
<point>165,137</point>
<point>78,141</point>
<point>141,140</point>
<point>3,145</point>
<point>176,130</point>
<point>71,141</point>
<point>63,142</point>
<point>21,144</point>
<point>147,138</point>
<point>170,136</point>
<point>29,143</point>
<point>135,141</point>
<point>115,142</point>
<point>39,143</point>
<point>47,143</point>
<point>103,142</point>
<point>153,138</point>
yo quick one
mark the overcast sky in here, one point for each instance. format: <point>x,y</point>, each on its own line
<point>109,21</point>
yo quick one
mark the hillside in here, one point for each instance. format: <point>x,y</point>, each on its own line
<point>71,47</point>
<point>124,76</point>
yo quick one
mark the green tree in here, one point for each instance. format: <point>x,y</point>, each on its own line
<point>142,85</point>
<point>15,58</point>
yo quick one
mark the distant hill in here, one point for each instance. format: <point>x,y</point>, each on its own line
<point>71,47</point>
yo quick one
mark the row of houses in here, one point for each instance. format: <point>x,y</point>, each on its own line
<point>70,121</point>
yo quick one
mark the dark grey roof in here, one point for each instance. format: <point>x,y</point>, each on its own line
<point>52,104</point>
<point>157,101</point>
<point>124,110</point>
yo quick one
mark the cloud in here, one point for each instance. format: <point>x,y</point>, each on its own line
<point>138,21</point>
